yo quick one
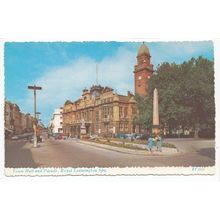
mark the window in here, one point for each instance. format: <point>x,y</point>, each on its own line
<point>126,127</point>
<point>104,112</point>
<point>125,112</point>
<point>134,110</point>
<point>120,112</point>
<point>120,127</point>
<point>97,127</point>
<point>97,115</point>
<point>111,112</point>
<point>106,127</point>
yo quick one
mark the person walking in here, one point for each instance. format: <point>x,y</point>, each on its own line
<point>159,143</point>
<point>150,143</point>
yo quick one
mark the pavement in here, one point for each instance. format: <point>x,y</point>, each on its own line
<point>141,151</point>
<point>74,153</point>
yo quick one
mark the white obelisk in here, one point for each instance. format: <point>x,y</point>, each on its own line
<point>155,109</point>
<point>156,122</point>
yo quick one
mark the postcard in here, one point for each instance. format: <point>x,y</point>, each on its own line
<point>109,108</point>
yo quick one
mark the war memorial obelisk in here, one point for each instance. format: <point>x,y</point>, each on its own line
<point>156,123</point>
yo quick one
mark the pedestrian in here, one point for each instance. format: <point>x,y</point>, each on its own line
<point>150,143</point>
<point>159,143</point>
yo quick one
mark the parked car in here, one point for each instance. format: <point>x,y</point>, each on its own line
<point>121,136</point>
<point>93,137</point>
<point>62,137</point>
<point>59,136</point>
<point>55,135</point>
<point>15,137</point>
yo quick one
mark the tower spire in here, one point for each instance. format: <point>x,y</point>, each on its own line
<point>142,70</point>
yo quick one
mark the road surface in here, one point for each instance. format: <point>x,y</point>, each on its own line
<point>71,153</point>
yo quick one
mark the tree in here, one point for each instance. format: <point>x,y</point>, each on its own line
<point>144,115</point>
<point>186,95</point>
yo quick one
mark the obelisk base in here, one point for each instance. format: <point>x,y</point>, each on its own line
<point>156,129</point>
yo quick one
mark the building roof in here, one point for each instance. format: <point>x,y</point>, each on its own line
<point>143,50</point>
<point>68,102</point>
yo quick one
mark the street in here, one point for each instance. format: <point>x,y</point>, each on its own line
<point>71,153</point>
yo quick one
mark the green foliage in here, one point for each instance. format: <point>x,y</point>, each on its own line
<point>144,116</point>
<point>186,95</point>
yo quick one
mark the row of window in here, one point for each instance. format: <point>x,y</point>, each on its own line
<point>106,112</point>
<point>107,100</point>
<point>123,127</point>
<point>123,112</point>
<point>87,115</point>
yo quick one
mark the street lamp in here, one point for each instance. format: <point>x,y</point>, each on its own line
<point>35,88</point>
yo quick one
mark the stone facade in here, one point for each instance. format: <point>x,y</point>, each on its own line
<point>17,119</point>
<point>16,122</point>
<point>29,122</point>
<point>143,70</point>
<point>102,110</point>
<point>9,122</point>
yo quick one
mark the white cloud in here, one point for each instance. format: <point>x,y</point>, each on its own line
<point>67,82</point>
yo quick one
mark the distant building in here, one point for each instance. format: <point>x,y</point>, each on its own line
<point>9,121</point>
<point>16,122</point>
<point>29,123</point>
<point>56,123</point>
<point>23,123</point>
<point>17,119</point>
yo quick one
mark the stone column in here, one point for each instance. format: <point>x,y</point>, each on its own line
<point>156,123</point>
<point>155,108</point>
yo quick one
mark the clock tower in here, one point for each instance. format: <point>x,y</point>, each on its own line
<point>143,70</point>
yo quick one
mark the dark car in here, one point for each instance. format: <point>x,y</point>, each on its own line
<point>60,137</point>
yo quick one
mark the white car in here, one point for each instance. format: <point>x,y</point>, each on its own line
<point>93,137</point>
<point>14,137</point>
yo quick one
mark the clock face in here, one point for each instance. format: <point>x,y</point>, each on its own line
<point>139,77</point>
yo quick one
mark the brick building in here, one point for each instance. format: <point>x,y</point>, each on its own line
<point>9,122</point>
<point>143,70</point>
<point>16,122</point>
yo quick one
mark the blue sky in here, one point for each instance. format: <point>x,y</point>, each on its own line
<point>63,69</point>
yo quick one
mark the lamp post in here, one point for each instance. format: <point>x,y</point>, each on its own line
<point>35,88</point>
